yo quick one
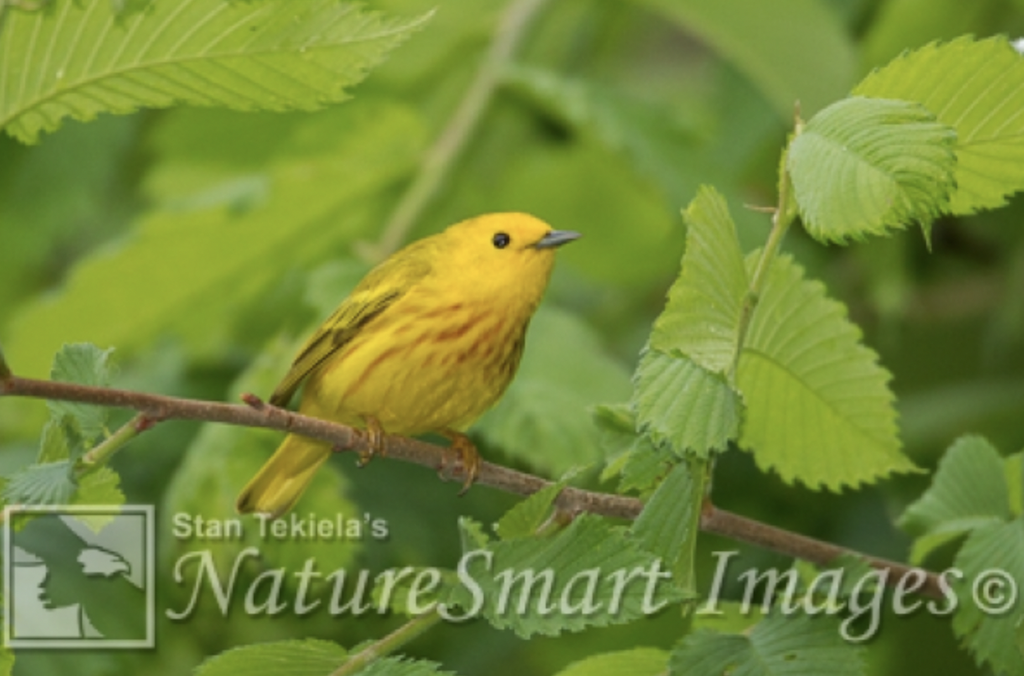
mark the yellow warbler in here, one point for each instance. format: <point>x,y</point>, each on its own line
<point>426,342</point>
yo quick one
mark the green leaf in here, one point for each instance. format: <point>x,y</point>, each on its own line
<point>399,666</point>
<point>968,491</point>
<point>818,406</point>
<point>651,137</point>
<point>591,574</point>
<point>635,662</point>
<point>83,364</point>
<point>131,293</point>
<point>667,526</point>
<point>99,487</point>
<point>644,466</point>
<point>297,657</point>
<point>1013,467</point>
<point>55,445</point>
<point>776,646</point>
<point>565,370</point>
<point>41,484</point>
<point>527,515</point>
<point>81,59</point>
<point>701,317</point>
<point>775,60</point>
<point>683,406</point>
<point>977,88</point>
<point>992,562</point>
<point>863,166</point>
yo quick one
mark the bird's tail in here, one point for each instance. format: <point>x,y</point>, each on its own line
<point>281,481</point>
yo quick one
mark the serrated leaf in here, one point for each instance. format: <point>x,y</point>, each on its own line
<point>992,562</point>
<point>551,585</point>
<point>635,662</point>
<point>701,317</point>
<point>564,371</point>
<point>527,515</point>
<point>683,406</point>
<point>667,526</point>
<point>968,491</point>
<point>81,59</point>
<point>779,645</point>
<point>84,364</point>
<point>644,466</point>
<point>54,444</point>
<point>297,657</point>
<point>129,294</point>
<point>400,666</point>
<point>818,406</point>
<point>617,425</point>
<point>99,487</point>
<point>40,484</point>
<point>472,535</point>
<point>977,88</point>
<point>864,166</point>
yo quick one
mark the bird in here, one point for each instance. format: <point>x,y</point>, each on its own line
<point>427,342</point>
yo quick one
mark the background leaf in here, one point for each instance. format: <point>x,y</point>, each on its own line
<point>968,491</point>
<point>589,546</point>
<point>638,662</point>
<point>305,657</point>
<point>977,88</point>
<point>125,296</point>
<point>246,56</point>
<point>777,646</point>
<point>773,45</point>
<point>992,562</point>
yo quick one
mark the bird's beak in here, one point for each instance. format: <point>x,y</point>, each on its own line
<point>556,238</point>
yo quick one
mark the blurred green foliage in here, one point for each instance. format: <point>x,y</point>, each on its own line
<point>202,243</point>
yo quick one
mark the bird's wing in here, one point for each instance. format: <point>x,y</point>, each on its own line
<point>378,291</point>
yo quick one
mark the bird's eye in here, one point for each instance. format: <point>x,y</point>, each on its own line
<point>501,240</point>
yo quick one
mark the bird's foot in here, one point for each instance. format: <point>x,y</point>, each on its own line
<point>374,440</point>
<point>469,458</point>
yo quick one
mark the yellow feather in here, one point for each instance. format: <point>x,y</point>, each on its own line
<point>427,342</point>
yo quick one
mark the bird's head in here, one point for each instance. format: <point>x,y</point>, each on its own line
<point>505,253</point>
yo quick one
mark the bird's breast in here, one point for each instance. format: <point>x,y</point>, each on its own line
<point>423,367</point>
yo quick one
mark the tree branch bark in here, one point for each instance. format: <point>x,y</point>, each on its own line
<point>254,412</point>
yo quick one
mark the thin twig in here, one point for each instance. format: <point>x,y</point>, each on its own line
<point>255,413</point>
<point>388,644</point>
<point>438,160</point>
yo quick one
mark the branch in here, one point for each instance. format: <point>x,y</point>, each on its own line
<point>155,408</point>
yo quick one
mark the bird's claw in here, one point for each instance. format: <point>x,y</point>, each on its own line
<point>469,459</point>
<point>374,434</point>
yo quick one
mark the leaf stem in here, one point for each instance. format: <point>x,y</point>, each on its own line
<point>782,218</point>
<point>102,453</point>
<point>388,644</point>
<point>441,156</point>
